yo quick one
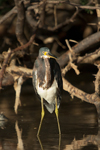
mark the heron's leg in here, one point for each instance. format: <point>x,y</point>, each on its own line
<point>57,116</point>
<point>42,116</point>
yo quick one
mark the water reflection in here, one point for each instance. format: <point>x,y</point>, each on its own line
<point>78,122</point>
<point>89,139</point>
<point>41,145</point>
<point>20,145</point>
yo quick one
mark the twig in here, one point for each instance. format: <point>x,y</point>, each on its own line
<point>69,46</point>
<point>72,57</point>
<point>73,41</point>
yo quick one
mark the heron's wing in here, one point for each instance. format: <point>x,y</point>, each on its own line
<point>58,78</point>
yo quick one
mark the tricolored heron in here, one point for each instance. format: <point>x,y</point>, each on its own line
<point>47,82</point>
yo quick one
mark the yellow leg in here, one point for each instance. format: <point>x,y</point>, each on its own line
<point>56,112</point>
<point>42,116</point>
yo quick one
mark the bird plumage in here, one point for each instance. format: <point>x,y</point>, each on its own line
<point>47,80</point>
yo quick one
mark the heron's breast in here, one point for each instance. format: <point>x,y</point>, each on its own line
<point>48,94</point>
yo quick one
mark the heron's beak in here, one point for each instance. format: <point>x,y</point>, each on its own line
<point>49,55</point>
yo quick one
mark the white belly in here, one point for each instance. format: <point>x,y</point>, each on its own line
<point>48,94</point>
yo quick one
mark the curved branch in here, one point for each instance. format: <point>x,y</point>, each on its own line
<point>78,48</point>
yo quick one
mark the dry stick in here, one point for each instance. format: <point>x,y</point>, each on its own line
<point>9,54</point>
<point>70,64</point>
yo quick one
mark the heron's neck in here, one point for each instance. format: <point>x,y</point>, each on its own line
<point>48,75</point>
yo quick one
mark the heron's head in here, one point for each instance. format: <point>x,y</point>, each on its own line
<point>44,52</point>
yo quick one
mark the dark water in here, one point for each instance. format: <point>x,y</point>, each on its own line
<point>78,122</point>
